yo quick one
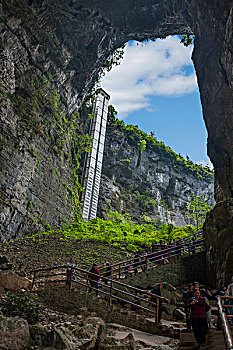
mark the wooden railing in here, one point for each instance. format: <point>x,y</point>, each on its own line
<point>224,317</point>
<point>69,275</point>
<point>187,246</point>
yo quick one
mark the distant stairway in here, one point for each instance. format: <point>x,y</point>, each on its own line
<point>215,340</point>
<point>161,254</point>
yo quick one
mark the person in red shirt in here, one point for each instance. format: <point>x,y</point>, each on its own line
<point>198,317</point>
<point>94,277</point>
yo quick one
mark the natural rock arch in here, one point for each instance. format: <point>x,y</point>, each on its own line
<point>70,40</point>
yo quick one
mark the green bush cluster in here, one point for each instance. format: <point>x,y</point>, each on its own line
<point>120,231</point>
<point>20,304</point>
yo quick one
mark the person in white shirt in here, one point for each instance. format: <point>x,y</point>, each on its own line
<point>229,293</point>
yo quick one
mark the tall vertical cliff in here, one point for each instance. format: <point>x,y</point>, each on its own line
<point>155,183</point>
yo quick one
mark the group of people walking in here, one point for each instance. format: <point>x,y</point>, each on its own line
<point>176,247</point>
<point>198,309</point>
<point>196,299</point>
<point>227,291</point>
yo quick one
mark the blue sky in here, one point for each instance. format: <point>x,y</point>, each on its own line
<point>155,87</point>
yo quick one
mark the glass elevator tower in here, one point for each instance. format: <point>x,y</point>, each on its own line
<point>94,159</point>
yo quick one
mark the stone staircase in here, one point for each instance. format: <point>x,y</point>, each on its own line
<point>214,340</point>
<point>76,301</point>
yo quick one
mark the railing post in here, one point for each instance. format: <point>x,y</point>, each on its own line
<point>110,295</point>
<point>119,271</point>
<point>146,262</point>
<point>157,312</point>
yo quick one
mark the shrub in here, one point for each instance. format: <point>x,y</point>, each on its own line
<point>20,304</point>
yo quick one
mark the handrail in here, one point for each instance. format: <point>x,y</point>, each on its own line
<point>172,250</point>
<point>171,246</point>
<point>225,324</point>
<point>85,275</point>
<point>148,261</point>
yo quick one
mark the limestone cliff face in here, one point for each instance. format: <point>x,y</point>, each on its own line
<point>154,184</point>
<point>69,41</point>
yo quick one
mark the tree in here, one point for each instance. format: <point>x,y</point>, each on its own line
<point>142,146</point>
<point>187,39</point>
<point>112,115</point>
<point>197,208</point>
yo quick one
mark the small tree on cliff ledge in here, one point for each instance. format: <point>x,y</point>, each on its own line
<point>197,208</point>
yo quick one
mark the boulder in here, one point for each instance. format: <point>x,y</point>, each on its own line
<point>5,267</point>
<point>86,337</point>
<point>111,343</point>
<point>59,338</point>
<point>129,341</point>
<point>13,282</point>
<point>168,309</point>
<point>3,259</point>
<point>2,290</point>
<point>179,315</point>
<point>14,333</point>
<point>93,330</point>
<point>40,334</point>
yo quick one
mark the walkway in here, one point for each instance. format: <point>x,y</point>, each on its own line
<point>115,293</point>
<point>162,254</point>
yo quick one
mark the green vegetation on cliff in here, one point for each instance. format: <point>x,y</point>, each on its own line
<point>45,124</point>
<point>137,137</point>
<point>121,232</point>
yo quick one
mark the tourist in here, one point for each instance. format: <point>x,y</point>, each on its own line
<point>196,285</point>
<point>136,262</point>
<point>223,290</point>
<point>154,254</point>
<point>69,271</point>
<point>108,272</point>
<point>207,295</point>
<point>93,278</point>
<point>157,291</point>
<point>127,267</point>
<point>229,293</point>
<point>144,260</point>
<point>178,248</point>
<point>187,295</point>
<point>161,243</point>
<point>153,247</point>
<point>192,246</point>
<point>198,317</point>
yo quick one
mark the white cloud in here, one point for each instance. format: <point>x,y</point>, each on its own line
<point>153,69</point>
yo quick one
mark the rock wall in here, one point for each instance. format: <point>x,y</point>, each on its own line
<point>153,183</point>
<point>218,230</point>
<point>41,130</point>
<point>178,272</point>
<point>70,41</point>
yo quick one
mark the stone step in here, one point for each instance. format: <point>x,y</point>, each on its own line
<point>187,343</point>
<point>207,347</point>
<point>215,347</point>
<point>215,340</point>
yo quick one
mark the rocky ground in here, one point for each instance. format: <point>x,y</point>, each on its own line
<point>77,326</point>
<point>54,249</point>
